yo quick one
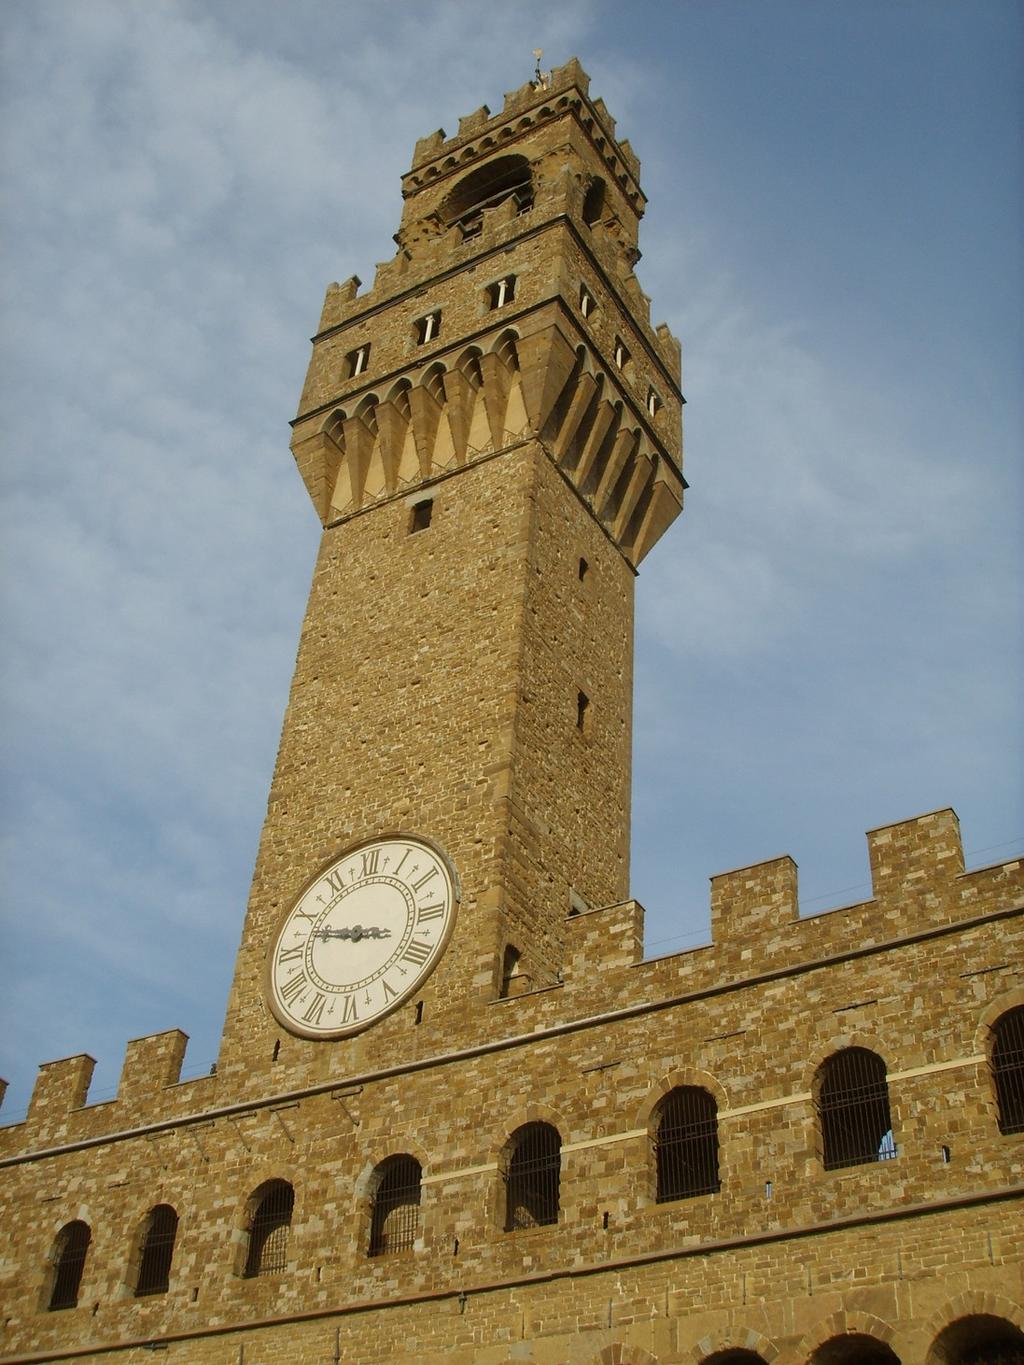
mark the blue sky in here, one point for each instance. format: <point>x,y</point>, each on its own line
<point>828,640</point>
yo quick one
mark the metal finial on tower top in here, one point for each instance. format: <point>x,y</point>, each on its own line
<point>541,79</point>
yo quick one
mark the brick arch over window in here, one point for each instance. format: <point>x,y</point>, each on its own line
<point>157,1250</point>
<point>686,1144</point>
<point>268,1226</point>
<point>854,1348</point>
<point>532,1175</point>
<point>851,1096</point>
<point>1006,1060</point>
<point>395,1193</point>
<point>978,1339</point>
<point>486,187</point>
<point>70,1248</point>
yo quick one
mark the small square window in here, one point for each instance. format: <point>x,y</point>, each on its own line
<point>621,354</point>
<point>653,403</point>
<point>428,328</point>
<point>421,515</point>
<point>588,306</point>
<point>357,361</point>
<point>501,292</point>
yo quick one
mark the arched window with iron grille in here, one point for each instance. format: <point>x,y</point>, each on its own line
<point>157,1250</point>
<point>532,1177</point>
<point>853,1109</point>
<point>68,1258</point>
<point>395,1206</point>
<point>686,1144</point>
<point>1008,1069</point>
<point>269,1226</point>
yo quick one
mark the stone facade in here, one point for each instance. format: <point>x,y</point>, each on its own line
<point>488,485</point>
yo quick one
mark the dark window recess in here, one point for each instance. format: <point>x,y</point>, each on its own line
<point>357,361</point>
<point>980,1339</point>
<point>501,292</point>
<point>422,512</point>
<point>157,1250</point>
<point>1008,1069</point>
<point>69,1252</point>
<point>853,1109</point>
<point>395,1213</point>
<point>532,1176</point>
<point>854,1348</point>
<point>582,710</point>
<point>593,203</point>
<point>268,1231</point>
<point>584,566</point>
<point>686,1145</point>
<point>509,969</point>
<point>428,328</point>
<point>486,188</point>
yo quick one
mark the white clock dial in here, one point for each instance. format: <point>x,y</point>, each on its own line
<point>362,936</point>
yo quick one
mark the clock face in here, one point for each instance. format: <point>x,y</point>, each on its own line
<point>362,936</point>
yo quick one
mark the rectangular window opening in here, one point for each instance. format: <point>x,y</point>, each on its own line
<point>653,403</point>
<point>422,512</point>
<point>621,354</point>
<point>587,304</point>
<point>501,292</point>
<point>584,566</point>
<point>582,710</point>
<point>428,328</point>
<point>357,361</point>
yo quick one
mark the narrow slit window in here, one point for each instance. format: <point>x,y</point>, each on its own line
<point>422,512</point>
<point>621,354</point>
<point>584,566</point>
<point>587,304</point>
<point>653,403</point>
<point>501,292</point>
<point>357,361</point>
<point>428,328</point>
<point>582,710</point>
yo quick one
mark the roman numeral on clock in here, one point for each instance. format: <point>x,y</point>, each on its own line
<point>418,886</point>
<point>370,860</point>
<point>429,912</point>
<point>293,987</point>
<point>333,880</point>
<point>316,1009</point>
<point>389,994</point>
<point>289,954</point>
<point>416,952</point>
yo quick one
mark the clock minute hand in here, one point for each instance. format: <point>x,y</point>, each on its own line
<point>357,932</point>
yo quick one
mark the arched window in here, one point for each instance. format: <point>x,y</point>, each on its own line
<point>269,1224</point>
<point>978,1339</point>
<point>395,1214</point>
<point>1008,1069</point>
<point>68,1257</point>
<point>686,1144</point>
<point>532,1177</point>
<point>157,1250</point>
<point>485,188</point>
<point>853,1109</point>
<point>854,1348</point>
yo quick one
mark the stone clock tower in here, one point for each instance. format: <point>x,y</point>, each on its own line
<point>457,1119</point>
<point>491,439</point>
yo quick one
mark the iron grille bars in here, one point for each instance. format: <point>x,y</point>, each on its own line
<point>395,1219</point>
<point>686,1145</point>
<point>157,1250</point>
<point>532,1178</point>
<point>268,1231</point>
<point>69,1260</point>
<point>1008,1070</point>
<point>853,1107</point>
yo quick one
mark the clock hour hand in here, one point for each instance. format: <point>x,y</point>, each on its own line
<point>357,932</point>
